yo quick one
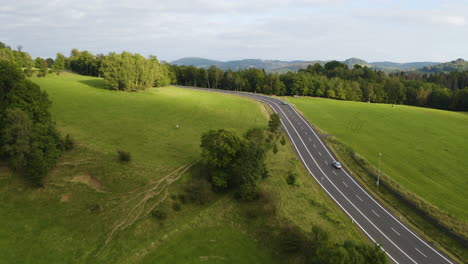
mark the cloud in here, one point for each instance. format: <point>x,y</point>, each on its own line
<point>229,29</point>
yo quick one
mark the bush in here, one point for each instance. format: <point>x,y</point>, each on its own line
<point>275,149</point>
<point>292,239</point>
<point>247,192</point>
<point>291,180</point>
<point>198,191</point>
<point>124,156</point>
<point>283,140</point>
<point>68,143</point>
<point>176,206</point>
<point>159,214</point>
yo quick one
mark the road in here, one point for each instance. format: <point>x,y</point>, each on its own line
<point>399,242</point>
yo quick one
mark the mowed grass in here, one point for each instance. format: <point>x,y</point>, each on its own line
<point>69,221</point>
<point>424,150</point>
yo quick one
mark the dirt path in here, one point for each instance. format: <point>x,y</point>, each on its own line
<point>140,202</point>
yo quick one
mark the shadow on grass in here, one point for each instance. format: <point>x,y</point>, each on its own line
<point>96,83</point>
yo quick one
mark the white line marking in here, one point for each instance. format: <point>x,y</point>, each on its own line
<point>395,231</point>
<point>334,173</point>
<point>359,198</point>
<point>378,204</point>
<point>345,184</point>
<point>314,145</point>
<point>302,127</point>
<point>420,252</point>
<point>375,213</point>
<point>306,133</point>
<point>320,153</point>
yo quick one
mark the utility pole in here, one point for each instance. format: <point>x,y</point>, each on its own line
<point>378,175</point>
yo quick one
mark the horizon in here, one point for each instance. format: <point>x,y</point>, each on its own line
<point>378,31</point>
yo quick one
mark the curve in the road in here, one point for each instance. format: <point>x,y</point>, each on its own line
<point>397,240</point>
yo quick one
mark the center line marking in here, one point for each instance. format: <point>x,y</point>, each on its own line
<point>395,231</point>
<point>319,153</point>
<point>314,145</point>
<point>375,213</point>
<point>306,133</point>
<point>335,173</point>
<point>359,198</point>
<point>302,127</point>
<point>345,184</point>
<point>420,252</point>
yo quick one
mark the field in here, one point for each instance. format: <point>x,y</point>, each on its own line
<point>94,209</point>
<point>423,150</point>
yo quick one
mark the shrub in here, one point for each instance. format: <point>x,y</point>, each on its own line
<point>292,239</point>
<point>283,140</point>
<point>176,206</point>
<point>68,142</point>
<point>247,192</point>
<point>291,180</point>
<point>275,149</point>
<point>159,214</point>
<point>124,156</point>
<point>199,191</point>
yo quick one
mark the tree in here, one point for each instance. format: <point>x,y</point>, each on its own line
<point>43,69</point>
<point>59,63</point>
<point>274,123</point>
<point>220,147</point>
<point>16,136</point>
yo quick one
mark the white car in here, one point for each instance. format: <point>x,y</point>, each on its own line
<point>337,164</point>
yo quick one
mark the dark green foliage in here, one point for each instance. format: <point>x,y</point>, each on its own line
<point>275,149</point>
<point>283,140</point>
<point>29,140</point>
<point>292,240</point>
<point>274,123</point>
<point>247,192</point>
<point>159,214</point>
<point>197,191</point>
<point>68,143</point>
<point>176,206</point>
<point>291,179</point>
<point>124,156</point>
<point>220,147</point>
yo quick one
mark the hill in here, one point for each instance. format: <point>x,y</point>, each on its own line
<point>284,66</point>
<point>94,209</point>
<point>456,65</point>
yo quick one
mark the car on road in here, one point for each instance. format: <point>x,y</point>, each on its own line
<point>337,164</point>
<point>284,103</point>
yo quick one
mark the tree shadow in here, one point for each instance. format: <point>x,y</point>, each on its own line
<point>96,83</point>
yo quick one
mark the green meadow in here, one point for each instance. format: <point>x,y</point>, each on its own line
<point>94,209</point>
<point>424,150</point>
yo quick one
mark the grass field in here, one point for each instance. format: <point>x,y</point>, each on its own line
<point>94,209</point>
<point>423,150</point>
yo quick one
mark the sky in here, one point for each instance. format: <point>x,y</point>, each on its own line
<point>373,30</point>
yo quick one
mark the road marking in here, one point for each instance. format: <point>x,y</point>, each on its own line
<point>420,252</point>
<point>319,153</point>
<point>302,127</point>
<point>345,184</point>
<point>395,231</point>
<point>314,145</point>
<point>306,133</point>
<point>375,213</point>
<point>298,123</point>
<point>359,198</point>
<point>335,173</point>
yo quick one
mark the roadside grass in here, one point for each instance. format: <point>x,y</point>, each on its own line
<point>423,150</point>
<point>90,193</point>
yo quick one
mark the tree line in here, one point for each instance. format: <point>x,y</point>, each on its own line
<point>337,81</point>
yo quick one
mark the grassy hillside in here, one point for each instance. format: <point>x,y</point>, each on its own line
<point>424,150</point>
<point>94,209</point>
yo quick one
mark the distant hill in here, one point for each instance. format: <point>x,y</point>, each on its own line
<point>403,66</point>
<point>456,65</point>
<point>285,66</point>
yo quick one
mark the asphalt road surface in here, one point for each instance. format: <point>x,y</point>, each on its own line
<point>399,242</point>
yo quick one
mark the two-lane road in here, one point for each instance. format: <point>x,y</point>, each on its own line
<point>398,241</point>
